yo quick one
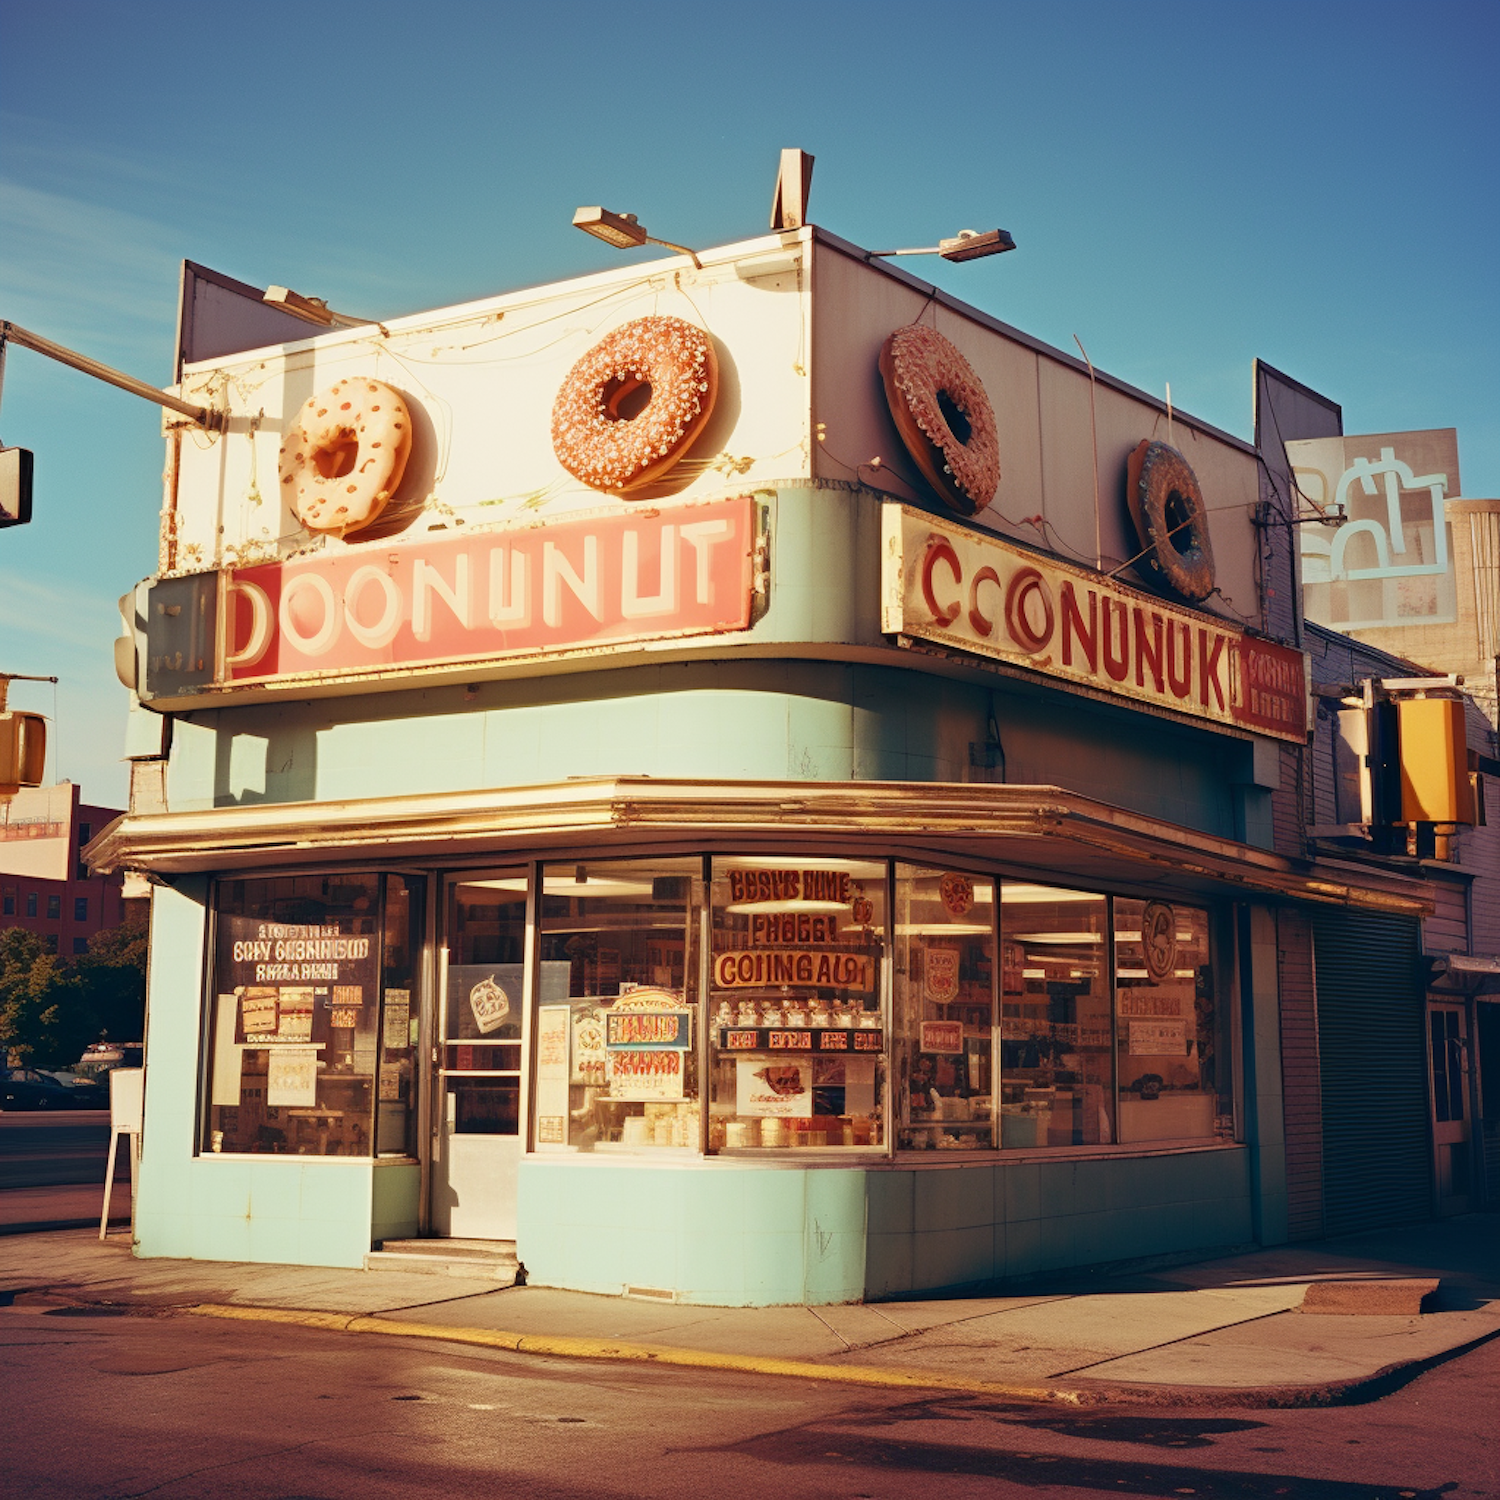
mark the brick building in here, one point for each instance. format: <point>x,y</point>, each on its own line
<point>44,884</point>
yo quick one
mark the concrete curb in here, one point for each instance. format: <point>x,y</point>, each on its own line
<point>617,1349</point>
<point>1354,1391</point>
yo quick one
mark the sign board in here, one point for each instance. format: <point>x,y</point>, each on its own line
<point>36,832</point>
<point>980,594</point>
<point>1386,560</point>
<point>595,583</point>
<point>127,1100</point>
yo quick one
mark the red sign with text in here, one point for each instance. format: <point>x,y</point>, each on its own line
<point>596,582</point>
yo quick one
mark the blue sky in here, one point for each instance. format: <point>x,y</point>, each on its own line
<point>1190,186</point>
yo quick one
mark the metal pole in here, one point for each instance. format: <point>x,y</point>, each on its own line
<point>202,415</point>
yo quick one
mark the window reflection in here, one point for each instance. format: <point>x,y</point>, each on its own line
<point>1056,1041</point>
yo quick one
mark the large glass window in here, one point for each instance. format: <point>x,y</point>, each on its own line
<point>297,1032</point>
<point>944,1009</point>
<point>798,1039</point>
<point>616,1028</point>
<point>401,949</point>
<point>1056,1040</point>
<point>1172,1035</point>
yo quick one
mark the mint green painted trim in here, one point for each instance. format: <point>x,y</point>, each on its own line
<point>735,1234</point>
<point>396,1189</point>
<point>717,1233</point>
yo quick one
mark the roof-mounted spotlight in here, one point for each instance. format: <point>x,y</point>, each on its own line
<point>967,244</point>
<point>623,231</point>
<point>313,309</point>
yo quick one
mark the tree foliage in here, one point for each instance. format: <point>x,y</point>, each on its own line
<point>51,1009</point>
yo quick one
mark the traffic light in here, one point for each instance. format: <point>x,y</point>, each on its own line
<point>23,752</point>
<point>15,486</point>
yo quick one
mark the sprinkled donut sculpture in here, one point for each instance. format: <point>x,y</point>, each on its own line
<point>597,435</point>
<point>1171,522</point>
<point>943,415</point>
<point>345,455</point>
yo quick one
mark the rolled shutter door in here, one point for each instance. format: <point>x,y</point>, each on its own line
<point>1377,1156</point>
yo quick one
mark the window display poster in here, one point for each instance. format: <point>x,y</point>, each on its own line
<point>226,1069</point>
<point>646,1075</point>
<point>940,975</point>
<point>1158,1038</point>
<point>553,1024</point>
<point>397,1032</point>
<point>490,1005</point>
<point>776,1090</point>
<point>271,1015</point>
<point>941,1036</point>
<point>292,1078</point>
<point>590,1056</point>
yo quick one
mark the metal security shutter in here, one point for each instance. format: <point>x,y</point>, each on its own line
<point>1377,1158</point>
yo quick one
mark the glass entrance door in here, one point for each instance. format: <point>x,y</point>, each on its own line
<point>481,1045</point>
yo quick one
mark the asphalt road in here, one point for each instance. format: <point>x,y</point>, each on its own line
<point>39,1149</point>
<point>125,1406</point>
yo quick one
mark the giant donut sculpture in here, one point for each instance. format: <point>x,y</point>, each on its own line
<point>345,455</point>
<point>597,436</point>
<point>943,415</point>
<point>1171,521</point>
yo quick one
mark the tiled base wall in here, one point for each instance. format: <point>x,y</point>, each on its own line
<point>287,1212</point>
<point>725,1234</point>
<point>933,1228</point>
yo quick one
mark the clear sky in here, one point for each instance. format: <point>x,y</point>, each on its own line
<point>1191,185</point>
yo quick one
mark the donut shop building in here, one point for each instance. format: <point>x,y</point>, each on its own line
<point>671,769</point>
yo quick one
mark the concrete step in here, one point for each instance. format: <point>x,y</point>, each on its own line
<point>476,1260</point>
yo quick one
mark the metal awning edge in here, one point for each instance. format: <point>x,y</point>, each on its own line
<point>617,809</point>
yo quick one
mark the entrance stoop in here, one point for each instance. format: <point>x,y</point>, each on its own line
<point>478,1260</point>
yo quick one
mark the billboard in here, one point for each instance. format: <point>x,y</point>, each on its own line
<point>1385,555</point>
<point>36,832</point>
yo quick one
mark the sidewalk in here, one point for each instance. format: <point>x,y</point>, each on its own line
<point>1227,1331</point>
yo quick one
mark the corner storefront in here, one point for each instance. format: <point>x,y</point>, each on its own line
<point>777,888</point>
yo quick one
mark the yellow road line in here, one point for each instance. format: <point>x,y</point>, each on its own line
<point>615,1349</point>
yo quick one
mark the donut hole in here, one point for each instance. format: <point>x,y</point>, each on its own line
<point>1179,514</point>
<point>956,418</point>
<point>336,456</point>
<point>626,397</point>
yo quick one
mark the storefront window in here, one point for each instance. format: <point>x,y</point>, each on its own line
<point>797,1029</point>
<point>396,1106</point>
<point>944,1009</point>
<point>297,1024</point>
<point>1056,1041</point>
<point>616,1027</point>
<point>1171,1038</point>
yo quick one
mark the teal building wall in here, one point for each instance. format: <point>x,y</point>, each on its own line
<point>753,1234</point>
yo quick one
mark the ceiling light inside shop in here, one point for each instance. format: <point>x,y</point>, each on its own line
<point>1135,937</point>
<point>943,929</point>
<point>594,885</point>
<point>511,883</point>
<point>796,862</point>
<point>1017,893</point>
<point>1056,937</point>
<point>791,905</point>
<point>1033,973</point>
<point>1132,973</point>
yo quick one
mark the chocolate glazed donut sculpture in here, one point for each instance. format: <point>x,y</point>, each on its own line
<point>1171,522</point>
<point>601,432</point>
<point>943,415</point>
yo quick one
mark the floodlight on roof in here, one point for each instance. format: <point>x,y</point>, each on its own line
<point>967,244</point>
<point>623,231</point>
<point>312,309</point>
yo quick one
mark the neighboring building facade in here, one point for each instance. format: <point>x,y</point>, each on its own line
<point>766,885</point>
<point>1387,1022</point>
<point>45,885</point>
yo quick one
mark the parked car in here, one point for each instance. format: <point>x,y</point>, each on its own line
<point>100,1058</point>
<point>29,1088</point>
